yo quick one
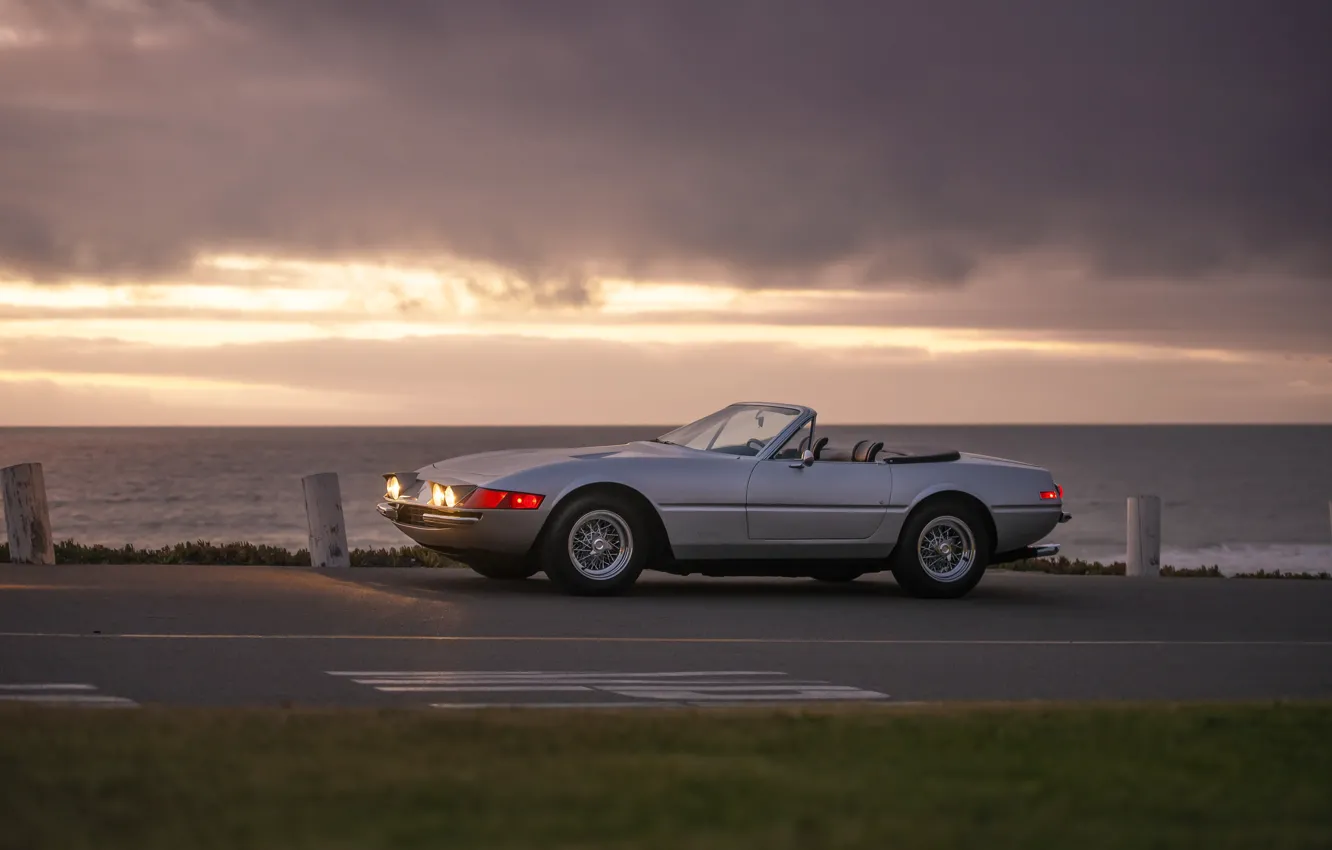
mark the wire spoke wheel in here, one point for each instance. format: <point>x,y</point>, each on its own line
<point>600,545</point>
<point>946,549</point>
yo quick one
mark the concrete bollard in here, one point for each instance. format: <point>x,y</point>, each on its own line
<point>323,513</point>
<point>1144,537</point>
<point>27,518</point>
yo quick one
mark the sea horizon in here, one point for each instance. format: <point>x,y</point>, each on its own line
<point>1242,497</point>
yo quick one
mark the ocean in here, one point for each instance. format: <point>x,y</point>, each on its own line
<point>1240,497</point>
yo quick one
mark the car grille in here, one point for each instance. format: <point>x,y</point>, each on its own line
<point>411,514</point>
<point>420,515</point>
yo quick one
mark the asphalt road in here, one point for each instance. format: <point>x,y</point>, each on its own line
<point>126,635</point>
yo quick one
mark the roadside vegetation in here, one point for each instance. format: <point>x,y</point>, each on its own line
<point>237,553</point>
<point>1077,567</point>
<point>1035,776</point>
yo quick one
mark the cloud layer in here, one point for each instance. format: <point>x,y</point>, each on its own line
<point>259,211</point>
<point>865,143</point>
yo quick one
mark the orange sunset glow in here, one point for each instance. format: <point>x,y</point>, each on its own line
<point>204,221</point>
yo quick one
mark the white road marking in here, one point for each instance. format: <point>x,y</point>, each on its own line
<point>796,695</point>
<point>550,674</point>
<point>60,693</point>
<point>598,683</point>
<point>653,688</point>
<point>615,704</point>
<point>534,688</point>
<point>775,686</point>
<point>68,699</point>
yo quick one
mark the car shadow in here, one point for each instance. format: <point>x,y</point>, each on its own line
<point>663,586</point>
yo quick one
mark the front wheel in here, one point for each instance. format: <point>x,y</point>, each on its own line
<point>943,550</point>
<point>595,546</point>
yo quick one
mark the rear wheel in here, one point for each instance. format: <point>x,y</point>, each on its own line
<point>943,550</point>
<point>595,545</point>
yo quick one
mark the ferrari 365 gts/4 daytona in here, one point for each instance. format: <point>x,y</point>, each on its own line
<point>749,490</point>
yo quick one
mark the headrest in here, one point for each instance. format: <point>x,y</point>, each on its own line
<point>818,446</point>
<point>866,450</point>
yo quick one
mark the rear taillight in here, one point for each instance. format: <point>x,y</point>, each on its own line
<point>1049,494</point>
<point>483,499</point>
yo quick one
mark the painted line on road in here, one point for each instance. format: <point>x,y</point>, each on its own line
<point>676,687</point>
<point>426,681</point>
<point>59,693</point>
<point>550,674</point>
<point>669,640</point>
<point>56,587</point>
<point>68,699</point>
<point>620,704</point>
<point>829,694</point>
<point>663,704</point>
<point>415,689</point>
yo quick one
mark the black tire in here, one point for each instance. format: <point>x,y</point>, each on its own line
<point>585,513</point>
<point>505,570</point>
<point>949,515</point>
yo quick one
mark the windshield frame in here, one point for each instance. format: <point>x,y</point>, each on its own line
<point>802,415</point>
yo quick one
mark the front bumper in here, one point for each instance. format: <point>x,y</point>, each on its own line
<point>416,515</point>
<point>457,531</point>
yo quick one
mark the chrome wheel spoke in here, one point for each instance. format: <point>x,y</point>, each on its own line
<point>600,545</point>
<point>946,548</point>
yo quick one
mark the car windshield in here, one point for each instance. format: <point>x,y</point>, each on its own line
<point>741,429</point>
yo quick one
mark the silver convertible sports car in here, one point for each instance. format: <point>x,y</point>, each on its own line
<point>749,490</point>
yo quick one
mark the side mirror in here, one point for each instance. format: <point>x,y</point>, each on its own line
<point>806,459</point>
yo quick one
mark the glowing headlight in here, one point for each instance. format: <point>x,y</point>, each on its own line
<point>442,496</point>
<point>394,488</point>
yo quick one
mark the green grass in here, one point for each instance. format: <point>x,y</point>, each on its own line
<point>1084,777</point>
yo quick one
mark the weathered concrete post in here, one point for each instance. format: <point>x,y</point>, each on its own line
<point>26,516</point>
<point>323,513</point>
<point>1144,536</point>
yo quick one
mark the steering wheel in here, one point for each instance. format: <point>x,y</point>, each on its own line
<point>755,444</point>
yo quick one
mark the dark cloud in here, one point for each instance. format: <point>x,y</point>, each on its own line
<point>765,142</point>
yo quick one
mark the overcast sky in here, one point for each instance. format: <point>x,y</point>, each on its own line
<point>434,212</point>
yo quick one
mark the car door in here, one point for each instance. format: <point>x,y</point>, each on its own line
<point>828,500</point>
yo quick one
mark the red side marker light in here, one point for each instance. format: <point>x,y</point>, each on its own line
<point>525,501</point>
<point>484,499</point>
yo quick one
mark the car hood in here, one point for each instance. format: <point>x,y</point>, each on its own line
<point>495,464</point>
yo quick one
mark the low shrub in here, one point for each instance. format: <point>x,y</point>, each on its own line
<point>233,553</point>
